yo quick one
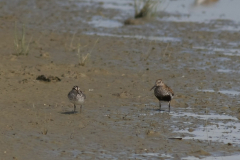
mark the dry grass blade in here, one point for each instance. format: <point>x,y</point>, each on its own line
<point>164,53</point>
<point>22,47</point>
<point>71,47</point>
<point>45,131</point>
<point>83,58</point>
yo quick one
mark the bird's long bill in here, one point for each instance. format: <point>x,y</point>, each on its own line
<point>153,87</point>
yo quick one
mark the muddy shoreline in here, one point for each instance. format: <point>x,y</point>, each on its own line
<point>120,118</point>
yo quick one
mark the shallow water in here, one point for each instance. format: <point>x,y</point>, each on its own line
<point>177,11</point>
<point>204,116</point>
<point>214,129</point>
<point>227,70</point>
<point>228,92</point>
<point>185,9</point>
<point>151,156</point>
<point>233,157</point>
<point>202,13</point>
<point>189,47</point>
<point>99,21</point>
<point>165,39</point>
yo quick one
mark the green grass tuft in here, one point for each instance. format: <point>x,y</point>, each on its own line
<point>148,9</point>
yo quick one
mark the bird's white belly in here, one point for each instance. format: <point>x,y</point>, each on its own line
<point>79,101</point>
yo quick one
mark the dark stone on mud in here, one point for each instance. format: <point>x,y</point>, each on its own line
<point>48,79</point>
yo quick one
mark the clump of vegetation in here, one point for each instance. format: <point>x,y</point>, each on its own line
<point>148,9</point>
<point>143,9</point>
<point>22,47</point>
<point>72,46</point>
<point>83,58</point>
<point>44,131</point>
<point>76,46</point>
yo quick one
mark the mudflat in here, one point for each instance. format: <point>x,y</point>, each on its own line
<point>120,118</point>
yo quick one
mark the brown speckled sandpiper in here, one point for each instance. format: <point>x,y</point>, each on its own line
<point>162,92</point>
<point>77,97</point>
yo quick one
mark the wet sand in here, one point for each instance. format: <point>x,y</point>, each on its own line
<point>120,118</point>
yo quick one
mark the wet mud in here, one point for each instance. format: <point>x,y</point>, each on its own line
<point>120,118</point>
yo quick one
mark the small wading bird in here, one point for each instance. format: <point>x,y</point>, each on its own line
<point>76,97</point>
<point>162,92</point>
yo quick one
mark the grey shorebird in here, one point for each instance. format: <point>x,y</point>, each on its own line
<point>162,92</point>
<point>77,97</point>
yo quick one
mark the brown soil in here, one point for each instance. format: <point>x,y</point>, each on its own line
<point>36,117</point>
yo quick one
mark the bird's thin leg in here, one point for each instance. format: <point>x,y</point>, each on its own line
<point>80,108</point>
<point>159,106</point>
<point>74,108</point>
<point>169,106</point>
